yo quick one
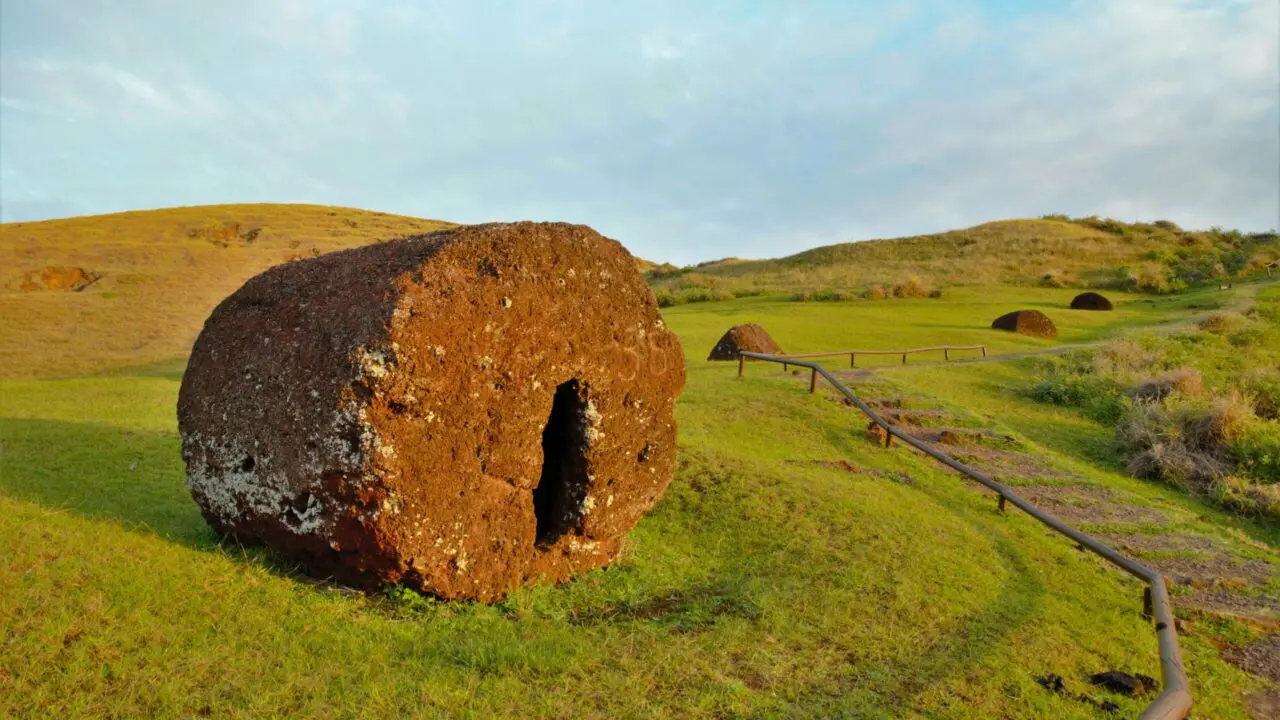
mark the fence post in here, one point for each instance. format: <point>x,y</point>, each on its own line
<point>813,380</point>
<point>904,358</point>
<point>1001,508</point>
<point>984,351</point>
<point>853,360</point>
<point>742,360</point>
<point>784,367</point>
<point>946,354</point>
<point>1147,610</point>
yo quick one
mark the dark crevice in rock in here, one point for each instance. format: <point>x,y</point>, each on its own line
<point>558,498</point>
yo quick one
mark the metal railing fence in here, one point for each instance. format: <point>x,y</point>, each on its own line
<point>1174,701</point>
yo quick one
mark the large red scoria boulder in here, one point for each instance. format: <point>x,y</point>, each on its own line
<point>462,412</point>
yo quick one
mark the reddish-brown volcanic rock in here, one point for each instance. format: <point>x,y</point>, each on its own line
<point>60,278</point>
<point>382,414</point>
<point>749,337</point>
<point>1027,322</point>
<point>1090,301</point>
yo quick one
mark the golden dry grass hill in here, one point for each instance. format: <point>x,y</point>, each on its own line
<point>91,293</point>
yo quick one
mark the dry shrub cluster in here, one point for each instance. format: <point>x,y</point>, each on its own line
<point>1199,410</point>
<point>911,286</point>
<point>1206,445</point>
<point>1184,381</point>
<point>1222,323</point>
<point>1058,279</point>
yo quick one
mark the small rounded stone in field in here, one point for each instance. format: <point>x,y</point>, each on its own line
<point>1090,301</point>
<point>462,412</point>
<point>1027,322</point>
<point>748,337</point>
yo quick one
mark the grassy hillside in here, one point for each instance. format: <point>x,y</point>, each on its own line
<point>158,274</point>
<point>793,569</point>
<point>1055,251</point>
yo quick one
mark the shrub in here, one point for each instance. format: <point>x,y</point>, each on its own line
<point>1055,279</point>
<point>1224,322</point>
<point>1257,451</point>
<point>935,293</point>
<point>1185,443</point>
<point>1167,225</point>
<point>1152,277</point>
<point>670,298</point>
<point>910,287</point>
<point>1124,357</point>
<point>875,292</point>
<point>1098,397</point>
<point>1247,336</point>
<point>1184,381</point>
<point>1264,387</point>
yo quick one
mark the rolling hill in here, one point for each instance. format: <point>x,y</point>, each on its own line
<point>1055,251</point>
<point>91,293</point>
<point>132,289</point>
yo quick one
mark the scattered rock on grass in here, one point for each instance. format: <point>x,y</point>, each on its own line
<point>877,433</point>
<point>1124,683</point>
<point>1055,684</point>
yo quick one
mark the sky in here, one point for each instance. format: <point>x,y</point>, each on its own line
<point>687,130</point>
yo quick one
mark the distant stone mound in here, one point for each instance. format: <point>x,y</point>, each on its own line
<point>1027,322</point>
<point>60,278</point>
<point>749,337</point>
<point>1090,301</point>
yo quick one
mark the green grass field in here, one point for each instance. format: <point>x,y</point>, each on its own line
<point>766,583</point>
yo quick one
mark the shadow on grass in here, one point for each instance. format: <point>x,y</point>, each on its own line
<point>102,472</point>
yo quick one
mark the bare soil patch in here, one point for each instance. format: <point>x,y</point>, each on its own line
<point>1262,658</point>
<point>1077,504</point>
<point>1259,611</point>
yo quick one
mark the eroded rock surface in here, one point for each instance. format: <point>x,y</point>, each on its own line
<point>462,412</point>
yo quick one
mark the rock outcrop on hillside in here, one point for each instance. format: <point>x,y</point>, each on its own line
<point>462,412</point>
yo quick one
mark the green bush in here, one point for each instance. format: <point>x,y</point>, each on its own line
<point>1257,451</point>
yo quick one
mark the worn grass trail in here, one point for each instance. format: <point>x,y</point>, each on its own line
<point>793,569</point>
